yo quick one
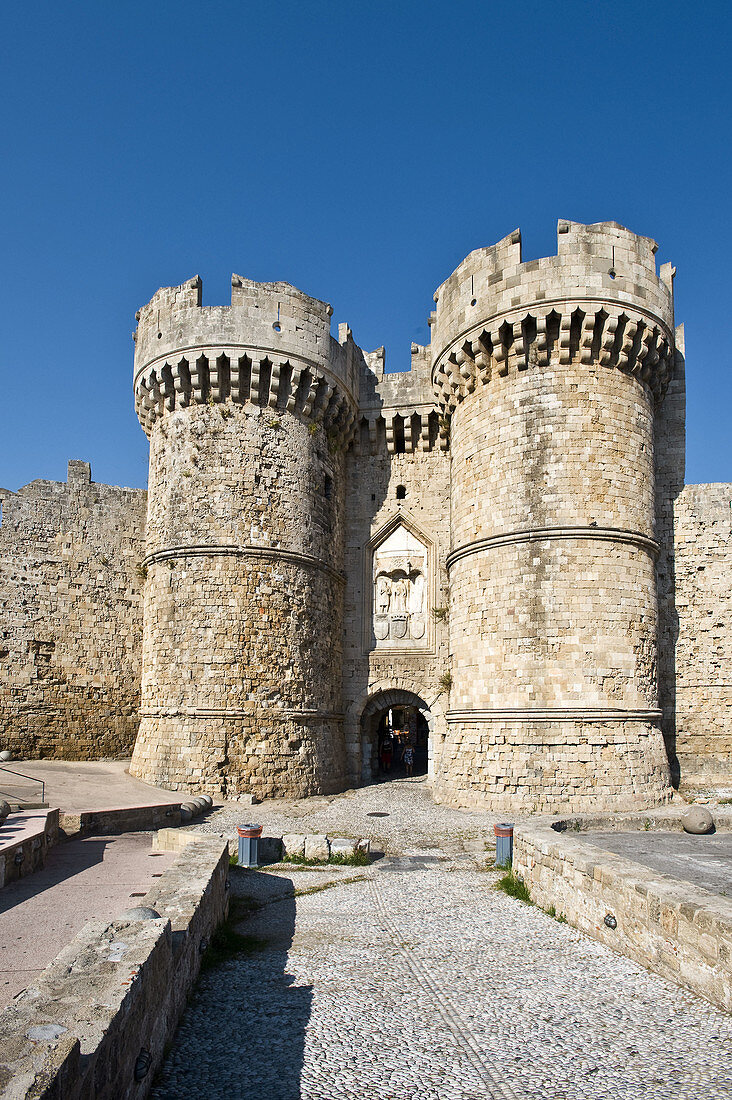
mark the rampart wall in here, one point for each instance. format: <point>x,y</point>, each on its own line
<point>71,617</point>
<point>703,652</point>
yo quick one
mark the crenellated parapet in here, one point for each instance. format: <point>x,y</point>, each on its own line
<point>272,348</point>
<point>397,412</point>
<point>598,302</point>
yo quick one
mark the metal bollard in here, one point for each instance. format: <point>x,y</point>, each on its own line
<point>249,844</point>
<point>504,844</point>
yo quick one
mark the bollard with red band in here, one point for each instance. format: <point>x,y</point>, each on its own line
<point>249,844</point>
<point>504,844</point>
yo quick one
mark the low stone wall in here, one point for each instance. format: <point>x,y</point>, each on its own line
<point>94,1024</point>
<point>670,927</point>
<point>127,819</point>
<point>25,840</point>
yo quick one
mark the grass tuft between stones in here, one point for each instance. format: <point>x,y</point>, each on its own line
<point>514,886</point>
<point>358,859</point>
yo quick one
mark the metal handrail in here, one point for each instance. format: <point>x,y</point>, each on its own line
<point>32,778</point>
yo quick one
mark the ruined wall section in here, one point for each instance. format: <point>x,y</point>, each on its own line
<point>70,617</point>
<point>551,372</point>
<point>397,528</point>
<point>250,409</point>
<point>703,696</point>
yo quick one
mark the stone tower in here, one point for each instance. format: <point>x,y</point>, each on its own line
<point>249,409</point>
<point>549,373</point>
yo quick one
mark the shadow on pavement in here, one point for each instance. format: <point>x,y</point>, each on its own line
<point>64,860</point>
<point>243,1034</point>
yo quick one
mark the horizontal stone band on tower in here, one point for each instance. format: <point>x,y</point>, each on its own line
<point>557,714</point>
<point>631,340</point>
<point>280,714</point>
<point>173,553</point>
<point>541,534</point>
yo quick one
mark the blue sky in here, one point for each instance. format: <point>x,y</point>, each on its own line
<point>357,150</point>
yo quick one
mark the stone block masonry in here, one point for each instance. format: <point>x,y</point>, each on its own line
<point>241,686</point>
<point>71,617</point>
<point>671,927</point>
<point>702,711</point>
<point>108,1004</point>
<point>494,548</point>
<point>550,372</point>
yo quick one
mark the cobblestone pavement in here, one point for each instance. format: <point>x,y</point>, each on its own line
<point>412,816</point>
<point>415,978</point>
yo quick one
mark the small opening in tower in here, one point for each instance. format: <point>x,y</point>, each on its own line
<point>328,487</point>
<point>611,273</point>
<point>277,326</point>
<point>474,301</point>
<point>160,336</point>
<point>401,492</point>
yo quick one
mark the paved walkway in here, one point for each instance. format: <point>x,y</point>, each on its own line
<point>87,879</point>
<point>705,861</point>
<point>84,784</point>
<point>415,978</point>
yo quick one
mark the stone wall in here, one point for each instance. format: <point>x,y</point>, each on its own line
<point>673,928</point>
<point>703,650</point>
<point>109,1003</point>
<point>70,617</point>
<point>398,488</point>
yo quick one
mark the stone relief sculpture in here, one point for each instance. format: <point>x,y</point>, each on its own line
<point>400,569</point>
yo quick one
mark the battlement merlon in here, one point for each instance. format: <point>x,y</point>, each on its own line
<point>603,262</point>
<point>272,324</point>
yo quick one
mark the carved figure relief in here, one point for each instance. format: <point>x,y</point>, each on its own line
<point>400,570</point>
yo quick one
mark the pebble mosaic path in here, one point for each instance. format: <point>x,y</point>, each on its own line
<point>415,978</point>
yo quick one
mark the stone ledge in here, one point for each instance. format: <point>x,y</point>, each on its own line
<point>670,927</point>
<point>26,838</point>
<point>113,996</point>
<point>126,819</point>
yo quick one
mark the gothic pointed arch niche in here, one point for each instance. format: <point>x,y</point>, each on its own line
<point>399,587</point>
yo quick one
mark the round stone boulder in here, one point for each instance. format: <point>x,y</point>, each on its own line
<point>200,803</point>
<point>186,813</point>
<point>4,810</point>
<point>140,912</point>
<point>697,820</point>
<point>208,800</point>
<point>5,755</point>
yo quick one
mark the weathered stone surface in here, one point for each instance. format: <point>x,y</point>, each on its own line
<point>70,617</point>
<point>341,846</point>
<point>317,847</point>
<point>294,844</point>
<point>669,926</point>
<point>697,819</point>
<point>499,538</point>
<point>117,988</point>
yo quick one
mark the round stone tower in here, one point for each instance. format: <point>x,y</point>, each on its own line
<point>248,409</point>
<point>549,372</point>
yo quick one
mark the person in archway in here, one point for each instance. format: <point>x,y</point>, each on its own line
<point>387,751</point>
<point>408,758</point>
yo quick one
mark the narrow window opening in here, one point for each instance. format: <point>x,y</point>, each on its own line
<point>401,492</point>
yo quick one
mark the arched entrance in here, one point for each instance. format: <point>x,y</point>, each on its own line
<point>399,719</point>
